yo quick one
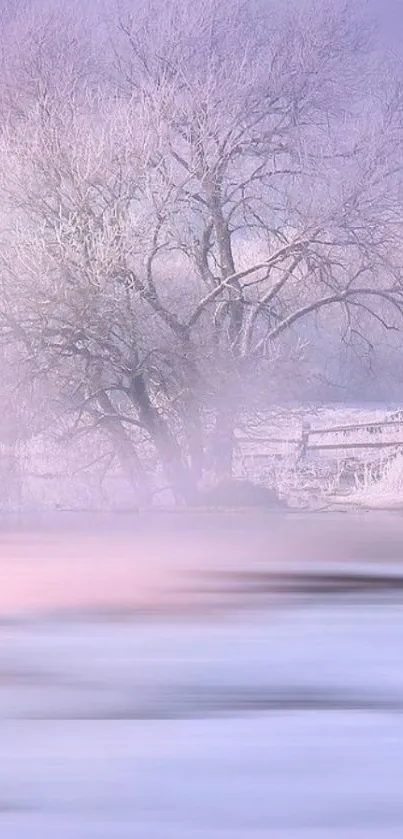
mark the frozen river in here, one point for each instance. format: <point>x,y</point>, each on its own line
<point>144,697</point>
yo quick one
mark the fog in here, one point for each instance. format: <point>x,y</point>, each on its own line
<point>201,284</point>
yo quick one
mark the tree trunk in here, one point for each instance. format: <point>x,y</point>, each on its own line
<point>131,465</point>
<point>227,264</point>
<point>196,454</point>
<point>193,425</point>
<point>178,474</point>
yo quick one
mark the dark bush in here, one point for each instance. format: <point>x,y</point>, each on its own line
<point>234,493</point>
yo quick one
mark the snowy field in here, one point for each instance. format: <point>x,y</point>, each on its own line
<point>352,452</point>
<point>142,698</point>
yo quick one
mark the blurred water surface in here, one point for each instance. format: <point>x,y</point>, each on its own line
<point>235,676</point>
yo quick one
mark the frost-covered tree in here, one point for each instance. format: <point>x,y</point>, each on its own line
<point>179,211</point>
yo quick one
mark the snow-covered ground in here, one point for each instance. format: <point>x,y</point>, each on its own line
<point>283,719</point>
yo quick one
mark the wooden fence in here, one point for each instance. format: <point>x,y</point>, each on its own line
<point>305,442</point>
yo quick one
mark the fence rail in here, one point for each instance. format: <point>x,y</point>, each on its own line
<point>359,426</point>
<point>303,443</point>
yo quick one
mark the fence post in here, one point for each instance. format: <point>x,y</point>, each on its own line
<point>303,442</point>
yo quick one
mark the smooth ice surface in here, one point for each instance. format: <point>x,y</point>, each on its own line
<point>284,720</point>
<point>282,774</point>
